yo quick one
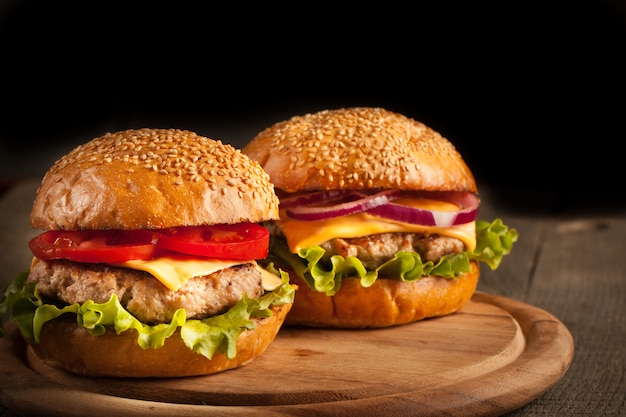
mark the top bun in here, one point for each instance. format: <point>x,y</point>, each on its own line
<point>152,179</point>
<point>358,148</point>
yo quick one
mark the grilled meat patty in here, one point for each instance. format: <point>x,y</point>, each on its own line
<point>142,294</point>
<point>373,250</point>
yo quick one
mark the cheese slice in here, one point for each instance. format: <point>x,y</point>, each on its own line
<point>302,234</point>
<point>175,272</point>
<point>270,281</point>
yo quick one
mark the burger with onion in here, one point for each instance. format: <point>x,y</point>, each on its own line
<point>378,218</point>
<point>147,261</point>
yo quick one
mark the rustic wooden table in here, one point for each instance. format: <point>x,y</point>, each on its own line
<point>568,261</point>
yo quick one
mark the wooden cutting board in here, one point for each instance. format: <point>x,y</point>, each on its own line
<point>493,356</point>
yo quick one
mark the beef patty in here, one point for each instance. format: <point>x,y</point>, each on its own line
<point>142,294</point>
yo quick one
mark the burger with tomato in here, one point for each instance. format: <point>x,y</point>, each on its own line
<point>378,223</point>
<point>147,261</point>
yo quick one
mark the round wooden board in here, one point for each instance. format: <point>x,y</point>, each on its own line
<point>493,356</point>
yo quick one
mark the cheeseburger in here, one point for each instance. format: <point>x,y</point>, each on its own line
<point>378,218</point>
<point>147,261</point>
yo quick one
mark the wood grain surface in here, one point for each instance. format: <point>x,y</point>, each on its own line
<point>493,356</point>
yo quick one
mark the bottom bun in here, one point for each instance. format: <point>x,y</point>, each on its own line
<point>387,302</point>
<point>65,345</point>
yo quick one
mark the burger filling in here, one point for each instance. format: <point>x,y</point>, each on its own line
<point>388,254</point>
<point>374,250</point>
<point>141,294</point>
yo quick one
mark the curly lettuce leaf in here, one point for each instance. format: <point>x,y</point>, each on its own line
<point>217,334</point>
<point>493,241</point>
<point>21,300</point>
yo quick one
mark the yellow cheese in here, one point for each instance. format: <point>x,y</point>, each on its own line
<point>270,281</point>
<point>302,234</point>
<point>174,272</point>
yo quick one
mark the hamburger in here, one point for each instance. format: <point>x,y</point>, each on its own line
<point>378,218</point>
<point>146,265</point>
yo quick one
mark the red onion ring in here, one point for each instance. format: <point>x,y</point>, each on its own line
<point>362,203</point>
<point>307,206</point>
<point>314,198</point>
<point>468,203</point>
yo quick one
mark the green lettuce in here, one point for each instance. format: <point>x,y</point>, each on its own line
<point>217,334</point>
<point>493,241</point>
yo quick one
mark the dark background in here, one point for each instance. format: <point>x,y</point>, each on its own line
<point>532,93</point>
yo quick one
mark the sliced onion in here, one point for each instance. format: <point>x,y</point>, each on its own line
<point>359,203</point>
<point>314,198</point>
<point>468,203</point>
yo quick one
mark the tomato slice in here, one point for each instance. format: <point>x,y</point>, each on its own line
<point>94,246</point>
<point>240,241</point>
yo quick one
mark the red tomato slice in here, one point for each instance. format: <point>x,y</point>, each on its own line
<point>240,241</point>
<point>94,246</point>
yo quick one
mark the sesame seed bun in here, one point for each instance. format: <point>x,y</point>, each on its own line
<point>357,148</point>
<point>152,178</point>
<point>364,148</point>
<point>388,302</point>
<point>65,345</point>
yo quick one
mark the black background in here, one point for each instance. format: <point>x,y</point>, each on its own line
<point>532,93</point>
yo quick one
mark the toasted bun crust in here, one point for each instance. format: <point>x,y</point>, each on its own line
<point>357,148</point>
<point>65,345</point>
<point>152,178</point>
<point>388,302</point>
